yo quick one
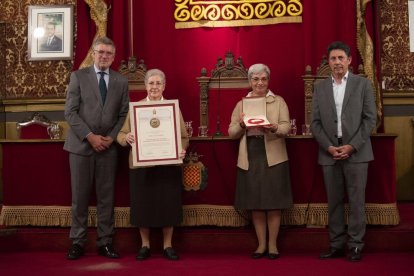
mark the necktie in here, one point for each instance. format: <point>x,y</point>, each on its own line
<point>49,40</point>
<point>102,86</point>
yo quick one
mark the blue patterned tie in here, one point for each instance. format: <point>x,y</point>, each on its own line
<point>102,86</point>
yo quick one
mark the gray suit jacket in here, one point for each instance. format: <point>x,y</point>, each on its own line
<point>358,118</point>
<point>85,112</point>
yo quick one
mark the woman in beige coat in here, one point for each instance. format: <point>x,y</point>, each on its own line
<point>263,181</point>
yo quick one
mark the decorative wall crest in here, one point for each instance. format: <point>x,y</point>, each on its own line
<point>230,13</point>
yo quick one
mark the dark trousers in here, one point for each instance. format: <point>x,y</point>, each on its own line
<point>352,178</point>
<point>98,168</point>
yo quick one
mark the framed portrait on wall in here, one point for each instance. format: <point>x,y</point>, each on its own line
<point>50,32</point>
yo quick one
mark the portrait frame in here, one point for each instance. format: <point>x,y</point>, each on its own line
<point>55,22</point>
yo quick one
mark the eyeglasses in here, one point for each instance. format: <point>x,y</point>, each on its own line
<point>104,53</point>
<point>259,79</point>
<point>153,83</point>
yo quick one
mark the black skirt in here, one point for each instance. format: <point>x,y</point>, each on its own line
<point>155,194</point>
<point>262,187</point>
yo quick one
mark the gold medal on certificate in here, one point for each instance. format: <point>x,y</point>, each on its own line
<point>154,122</point>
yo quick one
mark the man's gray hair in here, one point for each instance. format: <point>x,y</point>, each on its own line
<point>103,40</point>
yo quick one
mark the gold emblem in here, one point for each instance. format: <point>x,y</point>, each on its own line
<point>154,122</point>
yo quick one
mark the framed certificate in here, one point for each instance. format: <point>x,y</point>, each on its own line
<point>254,109</point>
<point>156,127</point>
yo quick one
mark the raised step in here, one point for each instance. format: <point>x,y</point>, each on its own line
<point>214,239</point>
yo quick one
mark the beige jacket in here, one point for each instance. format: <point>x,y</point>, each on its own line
<point>277,112</point>
<point>126,128</point>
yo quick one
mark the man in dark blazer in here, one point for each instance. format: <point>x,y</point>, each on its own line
<point>343,117</point>
<point>52,43</point>
<point>94,121</point>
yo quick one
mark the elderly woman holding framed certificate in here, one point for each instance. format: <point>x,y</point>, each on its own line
<point>155,187</point>
<point>261,122</point>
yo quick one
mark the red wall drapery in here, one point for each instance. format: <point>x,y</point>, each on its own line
<point>181,53</point>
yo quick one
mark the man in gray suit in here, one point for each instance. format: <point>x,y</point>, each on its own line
<point>343,117</point>
<point>52,43</point>
<point>95,111</point>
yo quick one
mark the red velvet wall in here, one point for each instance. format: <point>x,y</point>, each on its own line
<point>181,53</point>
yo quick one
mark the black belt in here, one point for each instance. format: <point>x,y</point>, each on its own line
<point>255,136</point>
<point>340,141</point>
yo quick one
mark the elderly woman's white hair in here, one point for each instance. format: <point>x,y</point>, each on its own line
<point>257,69</point>
<point>154,72</point>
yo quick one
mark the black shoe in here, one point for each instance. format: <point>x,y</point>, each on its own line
<point>332,253</point>
<point>258,255</point>
<point>75,252</point>
<point>273,256</point>
<point>143,253</point>
<point>170,254</point>
<point>354,254</point>
<point>108,251</point>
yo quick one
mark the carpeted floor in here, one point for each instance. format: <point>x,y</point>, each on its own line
<point>210,251</point>
<point>46,263</point>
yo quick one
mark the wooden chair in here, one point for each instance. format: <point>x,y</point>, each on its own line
<point>220,92</point>
<point>322,72</point>
<point>136,75</point>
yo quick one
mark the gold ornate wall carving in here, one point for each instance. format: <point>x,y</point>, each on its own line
<point>230,13</point>
<point>30,79</point>
<point>99,14</point>
<point>396,60</point>
<point>366,50</point>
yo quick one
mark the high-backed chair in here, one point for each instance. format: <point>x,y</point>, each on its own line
<point>136,75</point>
<point>322,72</point>
<point>220,92</point>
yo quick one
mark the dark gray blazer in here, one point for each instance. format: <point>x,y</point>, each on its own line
<point>358,118</point>
<point>85,112</point>
<point>56,45</point>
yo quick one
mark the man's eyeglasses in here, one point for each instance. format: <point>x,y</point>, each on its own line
<point>259,79</point>
<point>103,53</point>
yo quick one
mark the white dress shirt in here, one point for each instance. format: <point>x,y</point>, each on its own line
<point>339,93</point>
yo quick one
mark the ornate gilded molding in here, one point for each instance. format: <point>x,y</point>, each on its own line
<point>366,49</point>
<point>99,14</point>
<point>231,13</point>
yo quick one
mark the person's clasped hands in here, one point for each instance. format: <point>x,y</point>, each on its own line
<point>341,152</point>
